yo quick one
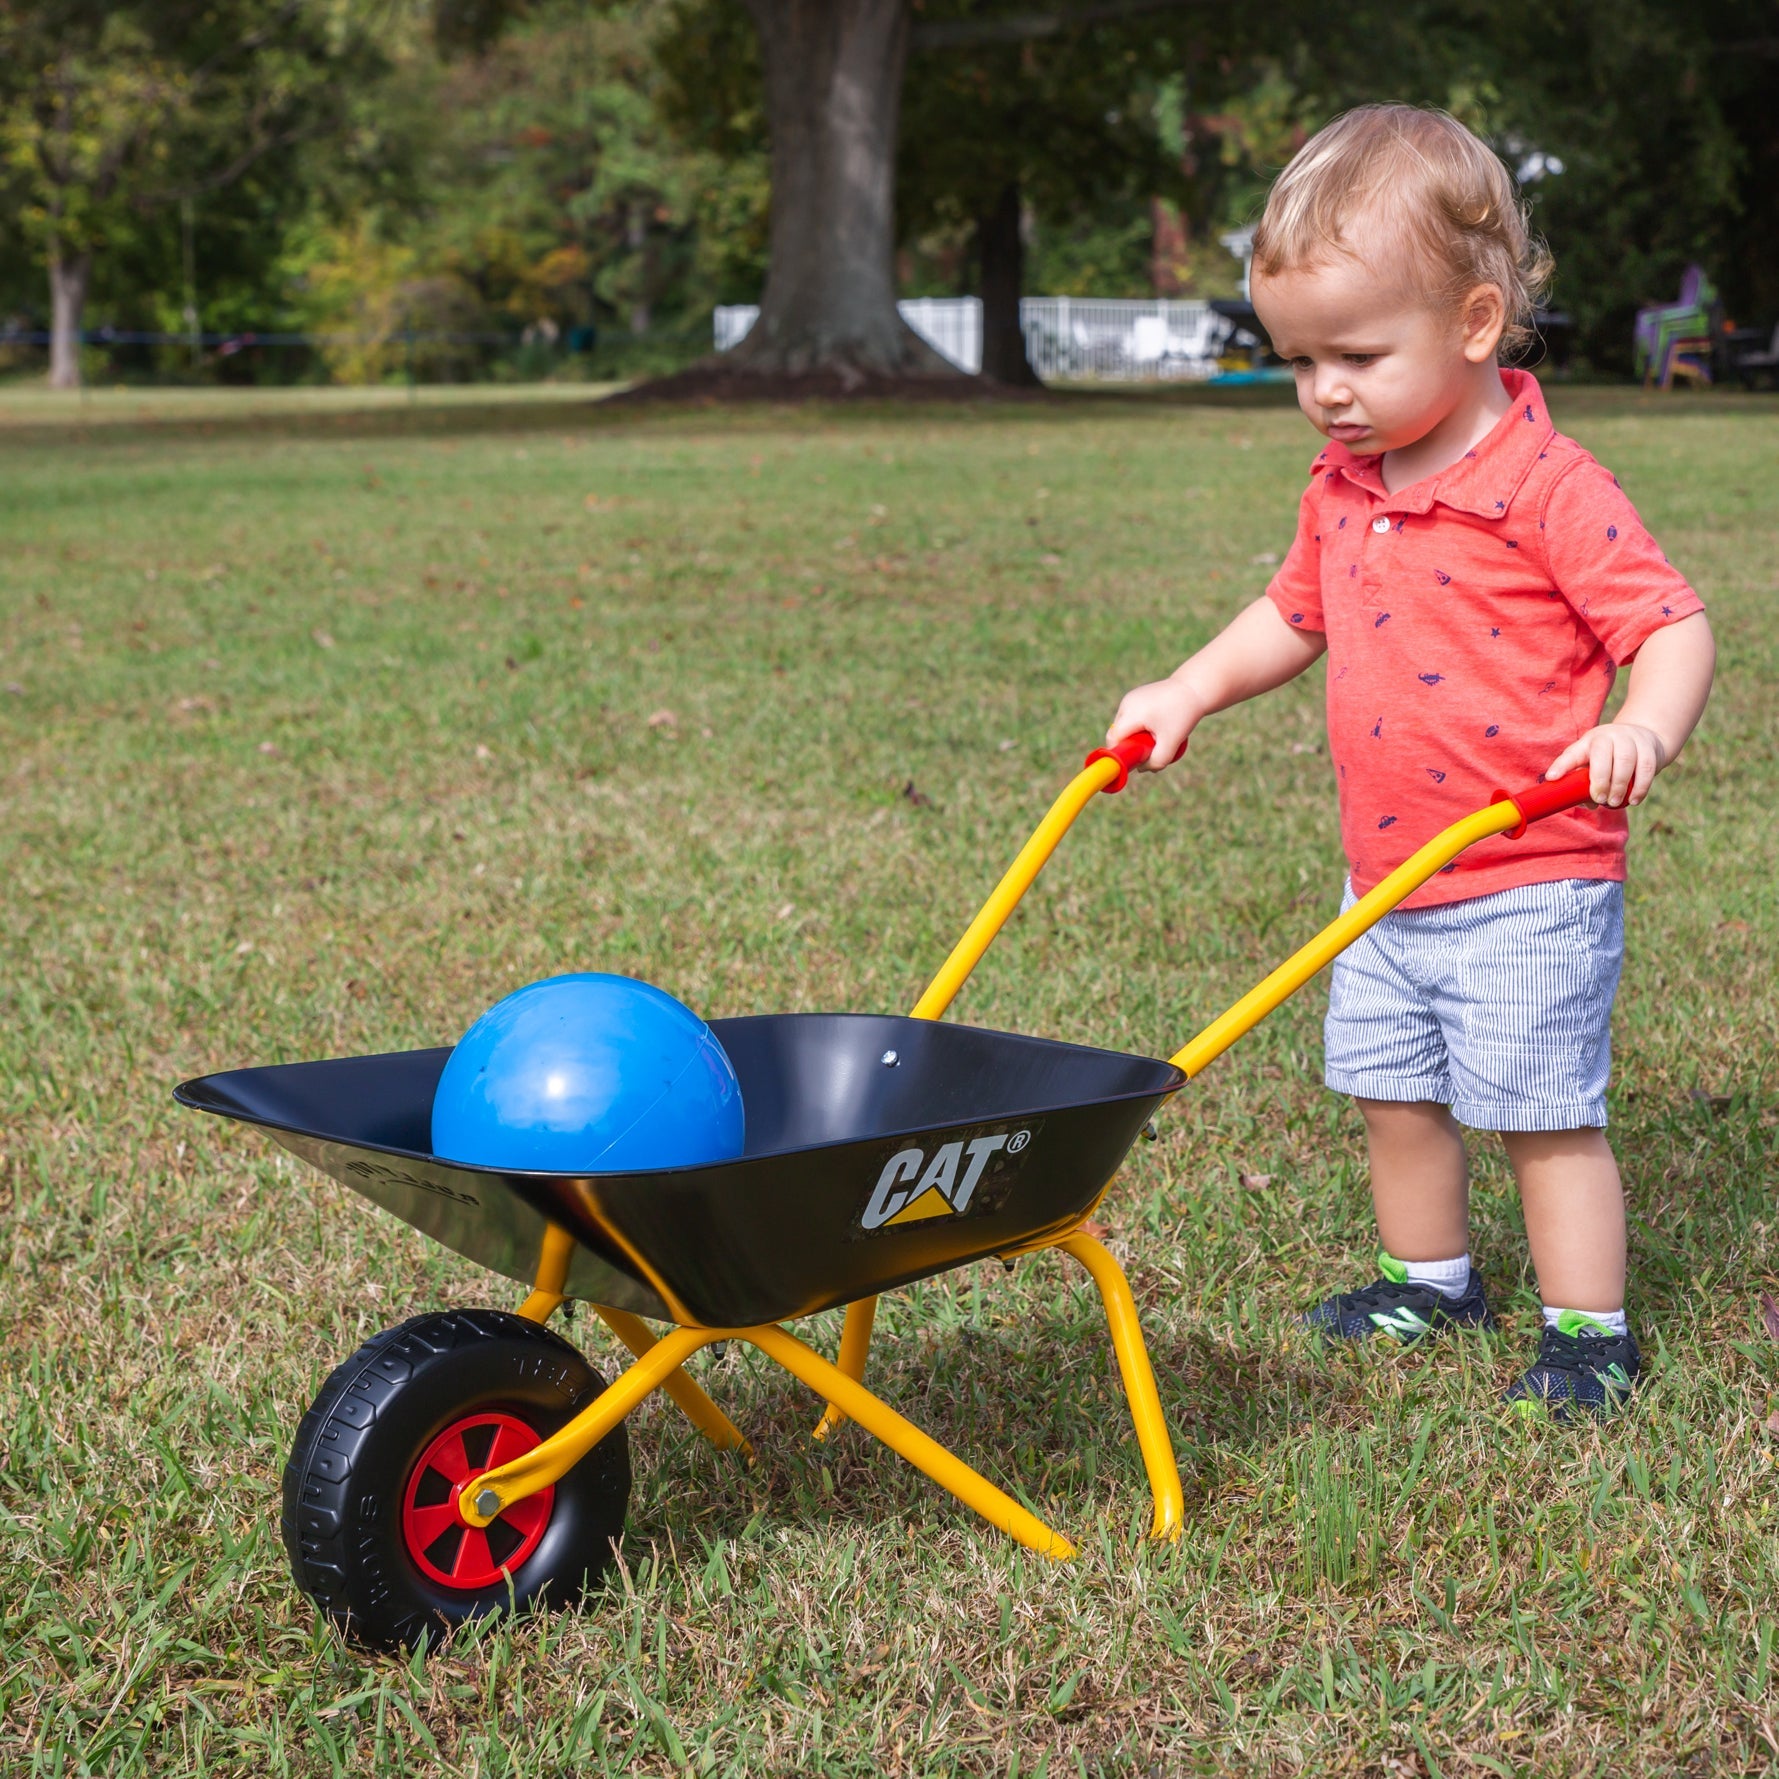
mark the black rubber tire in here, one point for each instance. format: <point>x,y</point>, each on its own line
<point>369,1425</point>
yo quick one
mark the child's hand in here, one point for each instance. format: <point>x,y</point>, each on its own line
<point>1250,655</point>
<point>1622,760</point>
<point>1164,708</point>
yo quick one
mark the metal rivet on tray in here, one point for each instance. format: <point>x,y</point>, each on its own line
<point>888,1059</point>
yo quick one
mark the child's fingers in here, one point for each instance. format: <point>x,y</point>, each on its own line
<point>1129,717</point>
<point>1575,754</point>
<point>1621,773</point>
<point>1166,744</point>
<point>1647,767</point>
<point>1598,759</point>
<point>1170,743</point>
<point>1137,711</point>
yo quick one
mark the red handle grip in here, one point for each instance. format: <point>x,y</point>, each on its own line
<point>1549,797</point>
<point>1133,750</point>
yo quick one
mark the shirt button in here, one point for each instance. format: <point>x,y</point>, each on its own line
<point>1380,523</point>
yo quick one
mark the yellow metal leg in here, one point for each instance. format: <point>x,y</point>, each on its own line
<point>904,1438</point>
<point>688,1397</point>
<point>855,1348</point>
<point>552,1274</point>
<point>1139,1383</point>
<point>491,1494</point>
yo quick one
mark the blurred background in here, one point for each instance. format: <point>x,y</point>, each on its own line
<point>368,191</point>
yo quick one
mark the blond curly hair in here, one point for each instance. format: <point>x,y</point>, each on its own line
<point>1412,181</point>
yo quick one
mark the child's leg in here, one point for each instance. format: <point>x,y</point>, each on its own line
<point>1382,1044</point>
<point>1575,1220</point>
<point>1575,1216</point>
<point>1420,1190</point>
<point>1420,1186</point>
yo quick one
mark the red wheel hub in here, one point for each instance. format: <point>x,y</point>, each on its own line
<point>441,1546</point>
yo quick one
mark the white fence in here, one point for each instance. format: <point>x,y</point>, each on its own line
<point>1066,338</point>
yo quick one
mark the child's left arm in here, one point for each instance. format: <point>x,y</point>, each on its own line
<point>1670,681</point>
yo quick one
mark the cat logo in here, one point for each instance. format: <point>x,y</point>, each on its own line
<point>911,1188</point>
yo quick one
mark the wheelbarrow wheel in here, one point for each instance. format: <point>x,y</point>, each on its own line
<point>370,1519</point>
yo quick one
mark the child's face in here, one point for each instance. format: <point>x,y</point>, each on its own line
<point>1377,367</point>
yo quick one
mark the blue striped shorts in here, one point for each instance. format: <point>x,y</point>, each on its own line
<point>1499,1007</point>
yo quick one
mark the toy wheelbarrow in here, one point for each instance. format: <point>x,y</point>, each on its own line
<point>472,1461</point>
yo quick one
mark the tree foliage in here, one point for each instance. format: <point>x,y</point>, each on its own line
<point>408,168</point>
<point>532,185</point>
<point>110,113</point>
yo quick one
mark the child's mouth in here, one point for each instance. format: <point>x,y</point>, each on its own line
<point>1348,430</point>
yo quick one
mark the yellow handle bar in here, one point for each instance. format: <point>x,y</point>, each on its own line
<point>1107,770</point>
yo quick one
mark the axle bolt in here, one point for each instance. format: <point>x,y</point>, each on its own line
<point>487,1503</point>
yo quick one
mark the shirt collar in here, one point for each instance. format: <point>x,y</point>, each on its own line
<point>1484,480</point>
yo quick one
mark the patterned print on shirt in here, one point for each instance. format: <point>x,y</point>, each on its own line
<point>1430,679</point>
<point>1444,579</point>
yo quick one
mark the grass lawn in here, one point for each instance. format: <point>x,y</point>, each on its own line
<point>319,731</point>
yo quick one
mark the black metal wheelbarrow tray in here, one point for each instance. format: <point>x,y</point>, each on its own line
<point>469,1461</point>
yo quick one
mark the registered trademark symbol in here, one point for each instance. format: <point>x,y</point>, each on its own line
<point>1018,1141</point>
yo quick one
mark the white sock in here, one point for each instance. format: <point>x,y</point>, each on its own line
<point>1449,1277</point>
<point>1609,1319</point>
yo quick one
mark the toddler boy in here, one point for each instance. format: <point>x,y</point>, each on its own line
<point>1475,579</point>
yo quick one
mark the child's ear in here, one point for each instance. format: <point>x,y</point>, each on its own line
<point>1484,320</point>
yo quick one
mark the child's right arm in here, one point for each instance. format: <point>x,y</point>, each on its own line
<point>1255,653</point>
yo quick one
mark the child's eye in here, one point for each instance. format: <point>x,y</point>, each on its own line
<point>1359,358</point>
<point>1301,365</point>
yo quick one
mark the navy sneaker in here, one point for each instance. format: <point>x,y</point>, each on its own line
<point>1403,1311</point>
<point>1581,1368</point>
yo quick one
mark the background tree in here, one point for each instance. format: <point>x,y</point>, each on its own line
<point>1062,125</point>
<point>111,112</point>
<point>832,74</point>
<point>320,164</point>
<point>1661,115</point>
<point>527,186</point>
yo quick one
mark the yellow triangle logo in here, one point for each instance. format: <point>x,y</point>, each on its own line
<point>931,1203</point>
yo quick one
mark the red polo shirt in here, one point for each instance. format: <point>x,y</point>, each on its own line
<point>1475,622</point>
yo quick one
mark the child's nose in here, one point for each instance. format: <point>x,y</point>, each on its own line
<point>1332,390</point>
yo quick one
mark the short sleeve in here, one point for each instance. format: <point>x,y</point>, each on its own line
<point>1297,588</point>
<point>1606,565</point>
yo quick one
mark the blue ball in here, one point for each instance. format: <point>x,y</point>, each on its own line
<point>588,1074</point>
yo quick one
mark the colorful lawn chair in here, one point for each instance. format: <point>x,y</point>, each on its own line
<point>1677,339</point>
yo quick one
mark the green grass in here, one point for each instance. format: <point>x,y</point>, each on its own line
<point>320,731</point>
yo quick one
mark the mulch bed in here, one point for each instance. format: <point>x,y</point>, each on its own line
<point>708,384</point>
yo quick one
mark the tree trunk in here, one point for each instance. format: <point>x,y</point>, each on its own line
<point>68,274</point>
<point>1001,253</point>
<point>833,103</point>
<point>636,238</point>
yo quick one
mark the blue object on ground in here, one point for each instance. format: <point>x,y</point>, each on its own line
<point>588,1074</point>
